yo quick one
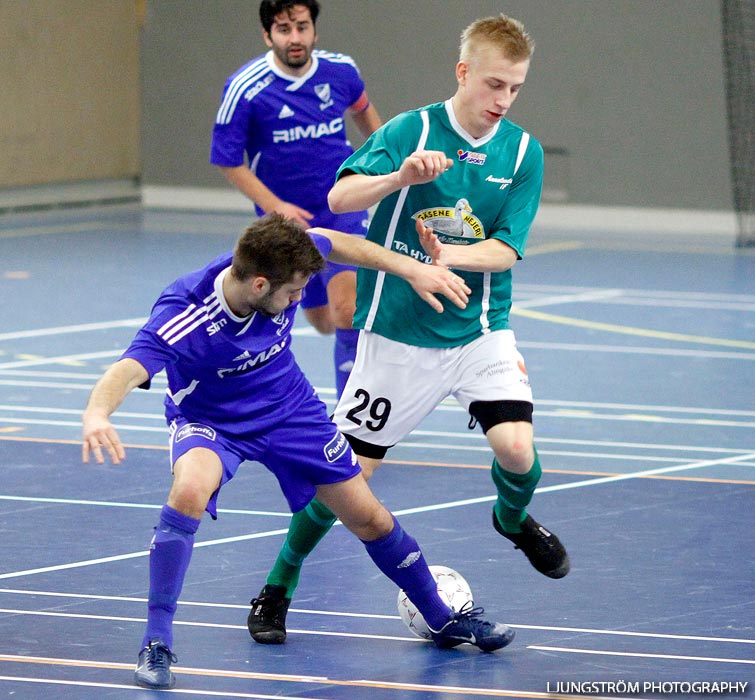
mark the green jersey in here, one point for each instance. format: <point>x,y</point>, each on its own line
<point>492,191</point>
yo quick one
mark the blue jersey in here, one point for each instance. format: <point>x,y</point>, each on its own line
<point>292,130</point>
<point>235,374</point>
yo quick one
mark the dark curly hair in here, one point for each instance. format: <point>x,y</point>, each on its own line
<point>269,9</point>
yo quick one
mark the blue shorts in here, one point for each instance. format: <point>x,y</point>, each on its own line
<point>316,292</point>
<point>303,452</point>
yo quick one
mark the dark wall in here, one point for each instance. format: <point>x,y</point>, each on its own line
<point>632,90</point>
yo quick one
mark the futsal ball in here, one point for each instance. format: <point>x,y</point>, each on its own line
<point>453,590</point>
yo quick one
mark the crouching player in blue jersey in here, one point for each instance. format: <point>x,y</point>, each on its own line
<point>235,393</point>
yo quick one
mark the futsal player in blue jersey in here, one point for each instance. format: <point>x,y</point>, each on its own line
<point>223,336</point>
<point>279,138</point>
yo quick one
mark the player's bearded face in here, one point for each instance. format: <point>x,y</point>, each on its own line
<point>292,37</point>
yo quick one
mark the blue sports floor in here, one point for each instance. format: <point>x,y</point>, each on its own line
<point>641,352</point>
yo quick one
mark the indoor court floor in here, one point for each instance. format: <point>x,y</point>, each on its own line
<point>641,350</point>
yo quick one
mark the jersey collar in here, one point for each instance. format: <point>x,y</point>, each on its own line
<point>459,129</point>
<point>218,285</point>
<point>295,82</point>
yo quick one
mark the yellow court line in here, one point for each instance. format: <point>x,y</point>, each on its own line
<point>321,680</point>
<point>630,330</point>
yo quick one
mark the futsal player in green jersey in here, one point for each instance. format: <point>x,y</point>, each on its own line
<point>455,184</point>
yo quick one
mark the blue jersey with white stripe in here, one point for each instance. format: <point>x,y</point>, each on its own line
<point>291,129</point>
<point>235,374</point>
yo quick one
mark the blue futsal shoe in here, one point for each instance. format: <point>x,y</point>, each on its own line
<point>153,667</point>
<point>467,627</point>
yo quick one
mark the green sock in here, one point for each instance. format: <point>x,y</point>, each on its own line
<point>307,528</point>
<point>514,494</point>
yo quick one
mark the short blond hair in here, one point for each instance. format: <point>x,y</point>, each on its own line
<point>501,32</point>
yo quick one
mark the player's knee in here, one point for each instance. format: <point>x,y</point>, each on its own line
<point>508,427</point>
<point>342,313</point>
<point>517,456</point>
<point>377,524</point>
<point>321,319</point>
<point>189,496</point>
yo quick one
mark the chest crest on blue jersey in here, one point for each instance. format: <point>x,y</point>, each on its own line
<point>452,224</point>
<point>323,92</point>
<point>282,321</point>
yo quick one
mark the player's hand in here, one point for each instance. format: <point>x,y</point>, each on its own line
<point>99,433</point>
<point>431,243</point>
<point>291,211</point>
<point>429,280</point>
<point>422,167</point>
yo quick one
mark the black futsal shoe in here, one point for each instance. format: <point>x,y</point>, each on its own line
<point>267,619</point>
<point>541,547</point>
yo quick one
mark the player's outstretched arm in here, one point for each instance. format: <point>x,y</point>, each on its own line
<point>490,255</point>
<point>426,280</point>
<point>107,395</point>
<point>355,191</point>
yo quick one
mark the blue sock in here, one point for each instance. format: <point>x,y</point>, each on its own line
<point>170,552</point>
<point>399,557</point>
<point>344,352</point>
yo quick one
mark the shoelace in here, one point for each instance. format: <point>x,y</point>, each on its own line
<point>469,610</point>
<point>265,615</point>
<point>159,656</point>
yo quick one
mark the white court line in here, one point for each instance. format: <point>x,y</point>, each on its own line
<point>77,424</point>
<point>61,358</point>
<point>470,435</point>
<point>77,412</point>
<point>405,511</point>
<point>372,616</point>
<point>550,453</point>
<point>122,504</point>
<point>449,404</point>
<point>136,555</point>
<point>207,625</point>
<point>189,603</point>
<point>105,325</point>
<point>676,353</point>
<point>372,636</point>
<point>658,294</point>
<point>597,443</point>
<point>117,686</point>
<point>588,296</point>
<point>643,655</point>
<point>44,385</point>
<point>561,415</point>
<point>580,484</point>
<point>80,328</point>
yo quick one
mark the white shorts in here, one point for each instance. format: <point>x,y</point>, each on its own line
<point>394,386</point>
